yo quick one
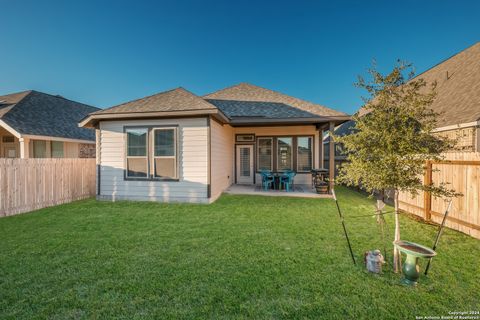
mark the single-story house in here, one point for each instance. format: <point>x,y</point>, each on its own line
<point>39,125</point>
<point>177,146</point>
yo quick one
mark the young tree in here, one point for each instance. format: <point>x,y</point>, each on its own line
<point>393,138</point>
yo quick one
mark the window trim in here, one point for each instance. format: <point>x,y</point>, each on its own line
<point>311,152</point>
<point>258,153</point>
<point>150,176</point>
<point>175,156</point>
<point>239,141</point>
<point>294,154</point>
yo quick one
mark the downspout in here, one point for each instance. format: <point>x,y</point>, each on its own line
<point>331,159</point>
<point>98,157</point>
<point>209,159</point>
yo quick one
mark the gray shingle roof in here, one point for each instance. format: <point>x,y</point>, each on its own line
<point>252,109</point>
<point>249,92</point>
<point>37,113</point>
<point>173,100</point>
<point>241,104</point>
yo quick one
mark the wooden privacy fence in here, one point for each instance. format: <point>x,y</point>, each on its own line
<point>30,184</point>
<point>462,172</point>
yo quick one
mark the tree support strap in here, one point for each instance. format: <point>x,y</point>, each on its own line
<point>343,225</point>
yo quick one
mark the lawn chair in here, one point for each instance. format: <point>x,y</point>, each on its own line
<point>286,180</point>
<point>268,179</point>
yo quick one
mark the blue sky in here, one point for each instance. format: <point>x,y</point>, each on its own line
<point>107,52</point>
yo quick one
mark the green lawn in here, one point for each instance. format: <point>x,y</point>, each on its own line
<point>241,257</point>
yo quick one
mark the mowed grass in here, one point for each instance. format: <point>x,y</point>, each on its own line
<point>241,257</point>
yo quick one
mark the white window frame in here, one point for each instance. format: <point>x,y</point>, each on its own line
<point>147,177</point>
<point>175,152</point>
<point>311,152</point>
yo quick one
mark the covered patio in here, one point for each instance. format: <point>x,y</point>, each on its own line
<point>273,134</point>
<point>277,150</point>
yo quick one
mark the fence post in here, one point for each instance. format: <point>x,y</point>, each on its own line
<point>427,198</point>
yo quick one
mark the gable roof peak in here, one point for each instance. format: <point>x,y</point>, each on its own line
<point>177,99</point>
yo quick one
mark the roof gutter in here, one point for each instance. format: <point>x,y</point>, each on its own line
<point>457,126</point>
<point>52,138</point>
<point>312,120</point>
<point>91,120</point>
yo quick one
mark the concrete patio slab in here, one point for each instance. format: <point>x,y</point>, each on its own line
<point>302,191</point>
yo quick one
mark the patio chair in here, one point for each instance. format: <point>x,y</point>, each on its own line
<point>286,180</point>
<point>267,179</point>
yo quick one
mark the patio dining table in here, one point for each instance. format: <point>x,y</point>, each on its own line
<point>276,179</point>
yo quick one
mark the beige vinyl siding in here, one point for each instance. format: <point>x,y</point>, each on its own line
<point>192,163</point>
<point>309,130</point>
<point>222,152</point>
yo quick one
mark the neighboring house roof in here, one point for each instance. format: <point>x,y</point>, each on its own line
<point>249,92</point>
<point>41,114</point>
<point>458,88</point>
<point>344,129</point>
<point>241,104</point>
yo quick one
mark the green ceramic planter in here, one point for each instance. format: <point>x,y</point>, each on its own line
<point>411,269</point>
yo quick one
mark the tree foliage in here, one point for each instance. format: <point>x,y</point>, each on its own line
<point>393,135</point>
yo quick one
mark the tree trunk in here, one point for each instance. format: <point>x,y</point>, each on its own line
<point>397,258</point>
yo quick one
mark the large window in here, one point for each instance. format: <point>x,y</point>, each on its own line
<point>157,162</point>
<point>284,153</point>
<point>265,154</point>
<point>304,153</point>
<point>57,149</point>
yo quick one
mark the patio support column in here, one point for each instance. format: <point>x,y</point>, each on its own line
<point>24,148</point>
<point>321,149</point>
<point>331,157</point>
